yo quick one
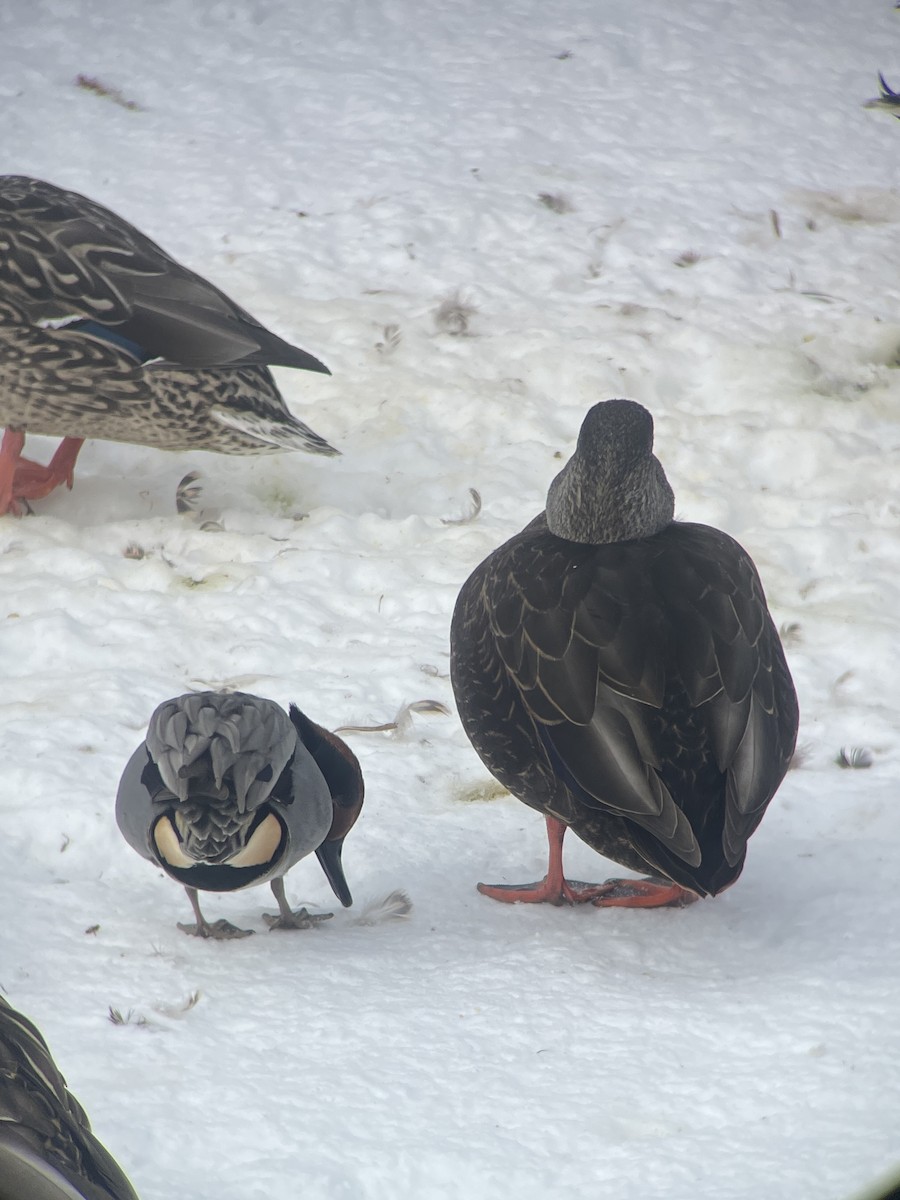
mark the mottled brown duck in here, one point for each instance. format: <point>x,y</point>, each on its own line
<point>104,335</point>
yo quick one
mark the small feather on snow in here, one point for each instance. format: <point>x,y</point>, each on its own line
<point>395,906</point>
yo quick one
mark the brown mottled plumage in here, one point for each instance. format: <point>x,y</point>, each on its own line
<point>103,335</point>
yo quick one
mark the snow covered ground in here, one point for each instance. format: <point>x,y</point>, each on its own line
<point>483,217</point>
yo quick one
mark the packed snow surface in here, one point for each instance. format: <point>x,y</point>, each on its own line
<point>484,217</point>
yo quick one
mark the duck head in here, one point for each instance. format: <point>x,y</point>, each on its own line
<point>613,488</point>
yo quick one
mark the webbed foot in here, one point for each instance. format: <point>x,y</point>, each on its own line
<point>554,888</point>
<point>219,931</point>
<point>300,919</point>
<point>644,893</point>
<point>288,919</point>
<point>565,891</point>
<point>32,481</point>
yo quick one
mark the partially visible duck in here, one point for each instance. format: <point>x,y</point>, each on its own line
<point>103,335</point>
<point>47,1149</point>
<point>620,673</point>
<point>888,100</point>
<point>228,790</point>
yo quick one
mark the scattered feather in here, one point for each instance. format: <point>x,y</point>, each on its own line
<point>433,671</point>
<point>556,202</point>
<point>129,1018</point>
<point>89,84</point>
<point>434,707</point>
<point>791,632</point>
<point>391,337</point>
<point>395,906</point>
<point>454,315</point>
<point>822,296</point>
<point>402,723</point>
<point>856,758</point>
<point>188,493</point>
<point>470,515</point>
<point>177,1011</point>
<point>799,757</point>
<point>688,259</point>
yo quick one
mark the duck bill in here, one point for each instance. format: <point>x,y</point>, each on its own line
<point>329,856</point>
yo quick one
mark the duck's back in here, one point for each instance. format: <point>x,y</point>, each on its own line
<point>637,690</point>
<point>67,256</point>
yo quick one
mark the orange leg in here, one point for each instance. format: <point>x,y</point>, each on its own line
<point>33,482</point>
<point>22,479</point>
<point>554,888</point>
<point>10,457</point>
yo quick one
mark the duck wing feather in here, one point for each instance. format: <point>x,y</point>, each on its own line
<point>70,257</point>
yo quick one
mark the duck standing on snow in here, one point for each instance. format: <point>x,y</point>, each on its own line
<point>228,791</point>
<point>47,1149</point>
<point>621,674</point>
<point>103,335</point>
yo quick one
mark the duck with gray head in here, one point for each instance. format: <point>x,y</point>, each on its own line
<point>104,335</point>
<point>47,1149</point>
<point>228,790</point>
<point>619,672</point>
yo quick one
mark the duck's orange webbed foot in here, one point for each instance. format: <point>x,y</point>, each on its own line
<point>554,888</point>
<point>22,479</point>
<point>33,481</point>
<point>643,893</point>
<point>546,891</point>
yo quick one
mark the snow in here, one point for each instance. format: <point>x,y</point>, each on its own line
<point>725,254</point>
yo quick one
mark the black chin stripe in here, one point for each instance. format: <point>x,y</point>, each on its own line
<point>212,877</point>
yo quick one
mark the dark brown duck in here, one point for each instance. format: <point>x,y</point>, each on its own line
<point>620,673</point>
<point>47,1149</point>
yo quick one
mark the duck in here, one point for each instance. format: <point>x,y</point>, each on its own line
<point>47,1149</point>
<point>104,335</point>
<point>228,790</point>
<point>619,672</point>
